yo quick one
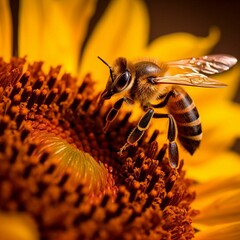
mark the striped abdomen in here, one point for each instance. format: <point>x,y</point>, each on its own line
<point>185,113</point>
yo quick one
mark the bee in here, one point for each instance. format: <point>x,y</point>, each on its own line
<point>156,85</point>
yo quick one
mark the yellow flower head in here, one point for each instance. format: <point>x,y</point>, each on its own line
<point>60,174</point>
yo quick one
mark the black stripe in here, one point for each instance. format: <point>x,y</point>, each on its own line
<point>186,117</point>
<point>190,130</point>
<point>189,144</point>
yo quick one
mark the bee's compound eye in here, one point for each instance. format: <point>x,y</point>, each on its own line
<point>123,81</point>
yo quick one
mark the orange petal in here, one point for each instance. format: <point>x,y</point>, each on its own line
<point>122,31</point>
<point>5,30</point>
<point>53,31</point>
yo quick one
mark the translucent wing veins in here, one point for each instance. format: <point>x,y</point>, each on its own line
<point>210,64</point>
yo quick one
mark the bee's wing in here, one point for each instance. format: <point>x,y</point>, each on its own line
<point>210,64</point>
<point>189,79</point>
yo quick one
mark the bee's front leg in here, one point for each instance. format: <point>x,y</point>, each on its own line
<point>139,130</point>
<point>114,111</point>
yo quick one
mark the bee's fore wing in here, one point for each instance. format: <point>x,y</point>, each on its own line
<point>210,64</point>
<point>190,79</point>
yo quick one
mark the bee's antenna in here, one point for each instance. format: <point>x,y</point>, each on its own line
<point>110,68</point>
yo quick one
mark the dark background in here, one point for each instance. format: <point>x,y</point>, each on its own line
<point>197,17</point>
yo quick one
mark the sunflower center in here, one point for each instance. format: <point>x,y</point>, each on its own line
<point>59,167</point>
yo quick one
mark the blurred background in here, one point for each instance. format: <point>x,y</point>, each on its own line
<point>195,17</point>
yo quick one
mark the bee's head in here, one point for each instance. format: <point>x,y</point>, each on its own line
<point>119,79</point>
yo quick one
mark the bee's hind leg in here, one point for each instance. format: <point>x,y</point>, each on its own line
<point>172,135</point>
<point>139,130</point>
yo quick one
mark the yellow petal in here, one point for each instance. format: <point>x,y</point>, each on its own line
<point>220,120</point>
<point>182,45</point>
<point>232,79</point>
<point>219,123</point>
<point>122,31</point>
<point>210,191</point>
<point>5,30</point>
<point>226,164</point>
<point>220,232</point>
<point>224,209</point>
<point>16,226</point>
<point>53,31</point>
<point>203,96</point>
<point>221,126</point>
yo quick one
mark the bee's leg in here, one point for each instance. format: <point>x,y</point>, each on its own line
<point>139,130</point>
<point>112,114</point>
<point>165,100</point>
<point>114,111</point>
<point>172,135</point>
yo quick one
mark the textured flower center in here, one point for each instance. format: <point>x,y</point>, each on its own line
<point>58,166</point>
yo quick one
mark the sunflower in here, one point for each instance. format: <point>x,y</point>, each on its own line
<point>60,176</point>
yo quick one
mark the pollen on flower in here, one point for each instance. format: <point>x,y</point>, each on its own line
<point>58,166</point>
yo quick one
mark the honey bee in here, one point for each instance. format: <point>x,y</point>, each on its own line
<point>148,81</point>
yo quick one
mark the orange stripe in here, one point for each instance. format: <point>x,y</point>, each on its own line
<point>195,138</point>
<point>178,97</point>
